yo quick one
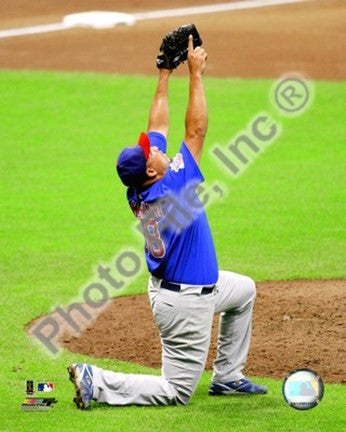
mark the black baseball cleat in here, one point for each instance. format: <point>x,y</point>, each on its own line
<point>242,386</point>
<point>81,375</point>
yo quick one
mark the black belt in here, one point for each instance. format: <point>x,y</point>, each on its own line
<point>177,287</point>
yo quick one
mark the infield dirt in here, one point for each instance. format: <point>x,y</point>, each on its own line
<point>264,42</point>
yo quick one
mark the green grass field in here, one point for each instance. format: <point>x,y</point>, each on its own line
<point>63,211</point>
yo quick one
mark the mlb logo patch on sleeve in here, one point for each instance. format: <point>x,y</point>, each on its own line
<point>45,386</point>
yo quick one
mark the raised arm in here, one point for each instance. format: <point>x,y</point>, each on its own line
<point>196,120</point>
<point>159,113</point>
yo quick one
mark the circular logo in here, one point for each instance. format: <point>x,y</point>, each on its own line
<point>303,389</point>
<point>291,95</point>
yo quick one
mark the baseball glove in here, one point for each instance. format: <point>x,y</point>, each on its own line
<point>174,46</point>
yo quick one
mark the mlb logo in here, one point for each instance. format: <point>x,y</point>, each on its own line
<point>45,387</point>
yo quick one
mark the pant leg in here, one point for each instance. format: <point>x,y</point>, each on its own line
<point>235,298</point>
<point>185,323</point>
<point>185,327</point>
<point>116,388</point>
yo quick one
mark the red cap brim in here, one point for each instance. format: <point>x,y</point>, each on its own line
<point>144,143</point>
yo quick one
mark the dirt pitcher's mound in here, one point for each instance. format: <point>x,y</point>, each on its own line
<point>296,324</point>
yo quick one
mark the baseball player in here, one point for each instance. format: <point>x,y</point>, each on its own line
<point>185,288</point>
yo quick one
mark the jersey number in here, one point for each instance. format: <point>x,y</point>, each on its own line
<point>153,239</point>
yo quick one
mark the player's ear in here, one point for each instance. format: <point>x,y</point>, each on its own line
<point>151,172</point>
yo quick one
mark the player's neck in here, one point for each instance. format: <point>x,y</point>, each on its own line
<point>152,180</point>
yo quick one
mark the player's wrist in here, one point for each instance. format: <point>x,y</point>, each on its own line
<point>165,73</point>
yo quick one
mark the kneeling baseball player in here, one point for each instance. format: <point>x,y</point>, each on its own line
<point>186,287</point>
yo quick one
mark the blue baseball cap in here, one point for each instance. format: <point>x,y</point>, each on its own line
<point>132,162</point>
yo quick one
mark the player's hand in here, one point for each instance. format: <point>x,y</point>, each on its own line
<point>196,58</point>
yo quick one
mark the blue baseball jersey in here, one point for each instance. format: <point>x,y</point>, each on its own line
<point>179,245</point>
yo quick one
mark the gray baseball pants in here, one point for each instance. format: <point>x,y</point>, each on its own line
<point>185,319</point>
